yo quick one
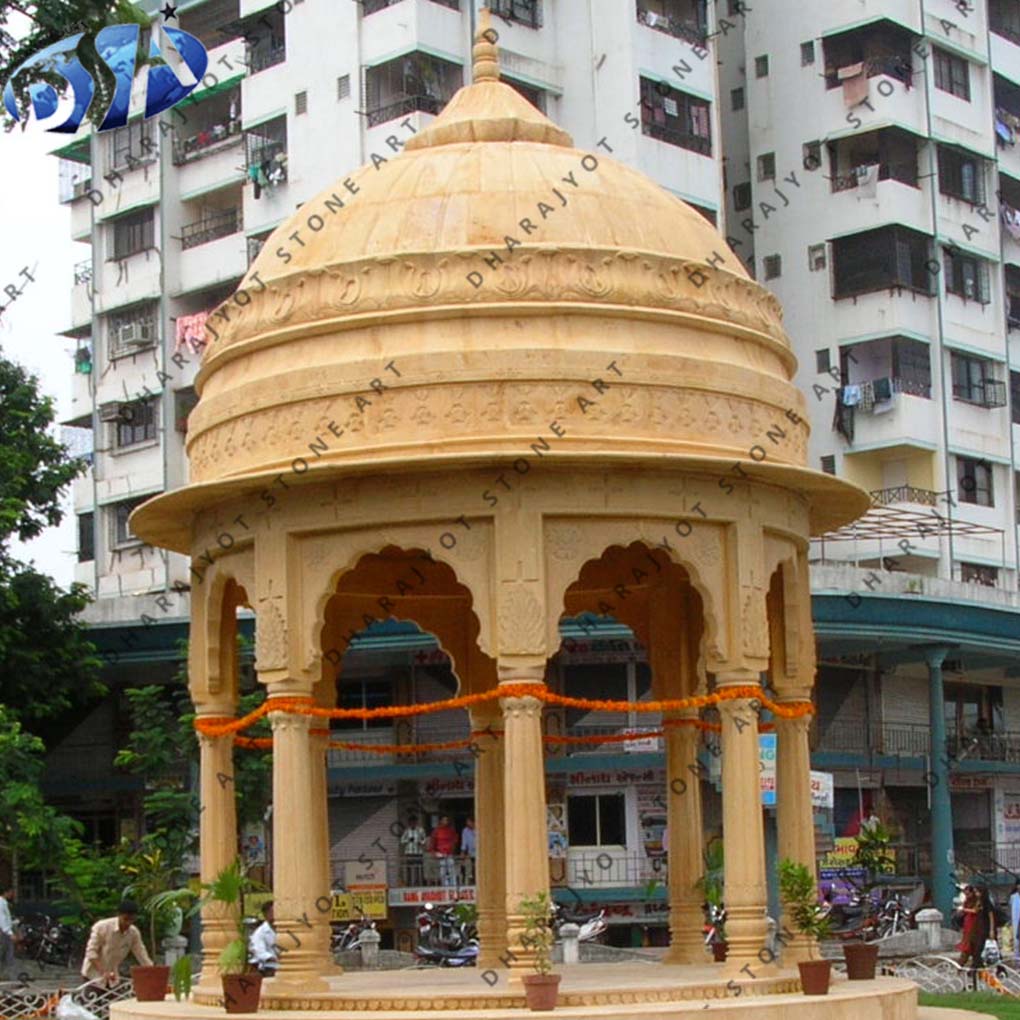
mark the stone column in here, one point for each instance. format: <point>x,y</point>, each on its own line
<point>217,828</point>
<point>319,743</point>
<point>942,858</point>
<point>297,858</point>
<point>490,862</point>
<point>795,822</point>
<point>745,892</point>
<point>524,811</point>
<point>685,861</point>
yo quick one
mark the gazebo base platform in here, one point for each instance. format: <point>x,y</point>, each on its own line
<point>609,992</point>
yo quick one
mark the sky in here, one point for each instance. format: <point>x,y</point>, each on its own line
<point>35,228</point>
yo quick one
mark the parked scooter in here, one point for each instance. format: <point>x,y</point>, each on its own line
<point>592,926</point>
<point>445,940</point>
<point>348,937</point>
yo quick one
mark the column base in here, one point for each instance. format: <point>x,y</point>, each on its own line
<point>294,985</point>
<point>687,953</point>
<point>686,939</point>
<point>799,949</point>
<point>742,969</point>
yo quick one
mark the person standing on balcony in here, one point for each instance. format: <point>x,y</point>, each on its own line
<point>443,844</point>
<point>412,843</point>
<point>468,850</point>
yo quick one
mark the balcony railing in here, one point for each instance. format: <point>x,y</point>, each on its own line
<point>83,272</point>
<point>904,172</point>
<point>260,58</point>
<point>204,142</point>
<point>683,139</point>
<point>210,228</point>
<point>914,741</point>
<point>601,867</point>
<point>904,494</point>
<point>692,32</point>
<point>1013,311</point>
<point>403,106</point>
<point>372,6</point>
<point>525,12</point>
<point>640,741</point>
<point>989,393</point>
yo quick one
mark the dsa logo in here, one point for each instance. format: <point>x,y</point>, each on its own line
<point>117,45</point>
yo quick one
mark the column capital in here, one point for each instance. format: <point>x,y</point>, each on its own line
<point>935,655</point>
<point>486,715</point>
<point>795,724</point>
<point>281,720</point>
<point>517,708</point>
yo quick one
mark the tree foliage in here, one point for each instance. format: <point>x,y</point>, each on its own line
<point>50,22</point>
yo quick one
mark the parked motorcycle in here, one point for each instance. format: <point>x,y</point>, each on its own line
<point>348,937</point>
<point>592,926</point>
<point>715,920</point>
<point>444,939</point>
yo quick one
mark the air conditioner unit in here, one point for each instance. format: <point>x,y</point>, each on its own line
<point>110,411</point>
<point>81,187</point>
<point>134,334</point>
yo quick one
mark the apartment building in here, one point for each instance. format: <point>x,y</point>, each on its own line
<point>864,161</point>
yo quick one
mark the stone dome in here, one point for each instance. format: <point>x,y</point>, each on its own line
<point>487,290</point>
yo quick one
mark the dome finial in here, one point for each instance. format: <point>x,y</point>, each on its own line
<point>485,55</point>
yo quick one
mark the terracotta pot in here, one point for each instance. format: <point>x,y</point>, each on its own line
<point>541,990</point>
<point>719,951</point>
<point>814,976</point>
<point>241,992</point>
<point>861,959</point>
<point>150,983</point>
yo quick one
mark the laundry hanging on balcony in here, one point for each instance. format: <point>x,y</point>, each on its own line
<point>867,181</point>
<point>1010,220</point>
<point>855,83</point>
<point>190,332</point>
<point>1006,127</point>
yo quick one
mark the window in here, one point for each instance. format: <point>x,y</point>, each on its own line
<point>1004,19</point>
<point>977,573</point>
<point>708,214</point>
<point>134,233</point>
<point>736,99</point>
<point>136,423</point>
<point>266,154</point>
<point>973,382</point>
<point>531,93</point>
<point>132,330</point>
<point>361,693</point>
<point>132,144</point>
<point>300,103</point>
<point>1014,396</point>
<point>266,42</point>
<point>974,481</point>
<point>742,196</point>
<point>761,66</point>
<point>811,155</point>
<point>823,360</point>
<point>121,533</point>
<point>829,464</point>
<point>767,166</point>
<point>952,74</point>
<point>524,12</point>
<point>966,276</point>
<point>675,117</point>
<point>961,175</point>
<point>816,257</point>
<point>596,820</point>
<point>343,86</point>
<point>880,259</point>
<point>807,53</point>
<point>773,266</point>
<point>86,537</point>
<point>185,401</point>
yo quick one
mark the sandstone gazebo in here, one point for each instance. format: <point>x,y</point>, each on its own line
<point>500,380</point>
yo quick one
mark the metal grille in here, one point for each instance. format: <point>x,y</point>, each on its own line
<point>21,1002</point>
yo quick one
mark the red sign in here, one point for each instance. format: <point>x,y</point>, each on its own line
<point>431,894</point>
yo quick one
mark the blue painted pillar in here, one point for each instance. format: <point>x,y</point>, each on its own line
<point>942,861</point>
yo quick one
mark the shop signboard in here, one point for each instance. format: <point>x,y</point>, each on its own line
<point>767,768</point>
<point>431,894</point>
<point>364,891</point>
<point>1007,816</point>
<point>823,794</point>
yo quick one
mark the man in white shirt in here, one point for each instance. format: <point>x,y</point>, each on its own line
<point>468,849</point>
<point>264,953</point>
<point>6,934</point>
<point>412,843</point>
<point>110,943</point>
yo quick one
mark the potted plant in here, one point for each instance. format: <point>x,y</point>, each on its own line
<point>152,877</point>
<point>541,989</point>
<point>800,898</point>
<point>873,855</point>
<point>180,977</point>
<point>711,884</point>
<point>242,984</point>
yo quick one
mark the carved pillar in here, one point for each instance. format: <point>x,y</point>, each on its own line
<point>794,815</point>
<point>319,743</point>
<point>685,863</point>
<point>524,810</point>
<point>745,893</point>
<point>217,824</point>
<point>298,868</point>
<point>490,862</point>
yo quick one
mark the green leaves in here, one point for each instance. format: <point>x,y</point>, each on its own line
<point>800,897</point>
<point>538,932</point>
<point>180,977</point>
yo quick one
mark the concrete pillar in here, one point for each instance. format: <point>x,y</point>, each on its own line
<point>929,923</point>
<point>795,816</point>
<point>490,860</point>
<point>570,933</point>
<point>319,746</point>
<point>942,858</point>
<point>297,864</point>
<point>743,832</point>
<point>218,845</point>
<point>525,833</point>
<point>685,861</point>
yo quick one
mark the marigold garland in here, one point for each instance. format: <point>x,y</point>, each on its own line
<point>219,726</point>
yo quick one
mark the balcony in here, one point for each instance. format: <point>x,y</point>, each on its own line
<point>1004,19</point>
<point>608,867</point>
<point>640,744</point>
<point>880,48</point>
<point>524,12</point>
<point>266,40</point>
<point>682,19</point>
<point>83,272</point>
<point>403,106</point>
<point>411,731</point>
<point>210,228</point>
<point>988,393</point>
<point>207,141</point>
<point>416,82</point>
<point>374,6</point>
<point>889,258</point>
<point>675,117</point>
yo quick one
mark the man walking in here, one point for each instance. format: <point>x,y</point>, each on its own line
<point>6,934</point>
<point>264,953</point>
<point>110,943</point>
